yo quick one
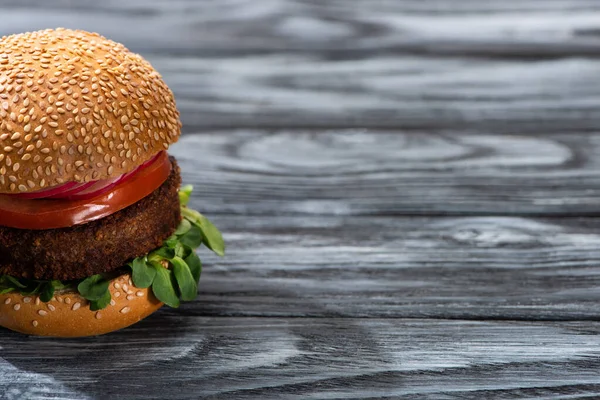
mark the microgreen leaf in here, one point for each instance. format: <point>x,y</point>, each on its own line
<point>14,282</point>
<point>58,285</point>
<point>47,292</point>
<point>188,287</point>
<point>142,273</point>
<point>171,242</point>
<point>5,285</point>
<point>163,287</point>
<point>193,238</point>
<point>184,194</point>
<point>193,261</point>
<point>31,289</point>
<point>211,237</point>
<point>93,288</point>
<point>161,254</point>
<point>183,228</point>
<point>101,303</point>
<point>181,250</point>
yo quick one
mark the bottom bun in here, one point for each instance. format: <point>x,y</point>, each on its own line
<point>69,315</point>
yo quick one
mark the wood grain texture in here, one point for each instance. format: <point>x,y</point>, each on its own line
<point>332,27</point>
<point>365,267</point>
<point>191,357</point>
<point>409,192</point>
<point>510,66</point>
<point>365,172</point>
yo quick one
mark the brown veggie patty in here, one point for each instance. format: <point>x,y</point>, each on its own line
<point>96,247</point>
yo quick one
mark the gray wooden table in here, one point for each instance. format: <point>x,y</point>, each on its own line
<point>410,192</point>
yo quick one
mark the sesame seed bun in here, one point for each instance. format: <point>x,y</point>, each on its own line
<point>69,315</point>
<point>75,106</point>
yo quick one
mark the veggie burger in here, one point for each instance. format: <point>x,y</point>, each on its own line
<point>95,232</point>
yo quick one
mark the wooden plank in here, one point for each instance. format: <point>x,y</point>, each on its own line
<point>358,172</point>
<point>327,276</point>
<point>336,27</point>
<point>510,66</point>
<point>169,356</point>
<point>412,92</point>
<point>467,268</point>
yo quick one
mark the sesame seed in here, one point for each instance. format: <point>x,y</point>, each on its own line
<point>98,315</point>
<point>51,307</point>
<point>76,306</point>
<point>7,301</point>
<point>27,300</point>
<point>140,294</point>
<point>35,323</point>
<point>43,312</point>
<point>125,310</point>
<point>17,307</point>
<point>78,112</point>
<point>130,297</point>
<point>117,294</point>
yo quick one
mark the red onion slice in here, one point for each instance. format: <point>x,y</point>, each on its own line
<point>75,189</point>
<point>96,189</point>
<point>42,194</point>
<point>82,191</point>
<point>100,187</point>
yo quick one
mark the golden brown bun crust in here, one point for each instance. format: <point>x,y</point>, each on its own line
<point>69,315</point>
<point>75,106</point>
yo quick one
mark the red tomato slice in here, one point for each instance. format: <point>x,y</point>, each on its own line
<point>42,214</point>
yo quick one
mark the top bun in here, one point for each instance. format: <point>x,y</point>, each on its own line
<point>75,106</point>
